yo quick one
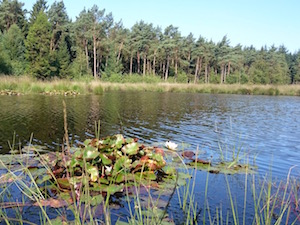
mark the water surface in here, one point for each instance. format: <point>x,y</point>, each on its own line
<point>267,127</point>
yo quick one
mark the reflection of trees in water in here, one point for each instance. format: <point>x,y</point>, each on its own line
<point>151,114</point>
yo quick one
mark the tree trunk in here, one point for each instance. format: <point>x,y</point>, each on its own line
<point>163,70</point>
<point>200,66</point>
<point>176,64</point>
<point>100,63</point>
<point>148,66</point>
<point>189,60</point>
<point>229,67</point>
<point>95,54</point>
<point>138,62</point>
<point>144,65</point>
<point>130,65</point>
<point>222,74</point>
<point>206,74</point>
<point>225,74</point>
<point>196,70</point>
<point>86,54</point>
<point>120,50</point>
<point>154,61</point>
<point>167,68</point>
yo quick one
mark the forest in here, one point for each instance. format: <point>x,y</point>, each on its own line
<point>45,43</point>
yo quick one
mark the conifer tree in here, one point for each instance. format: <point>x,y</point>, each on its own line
<point>37,47</point>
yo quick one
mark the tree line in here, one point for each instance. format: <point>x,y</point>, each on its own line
<point>45,43</point>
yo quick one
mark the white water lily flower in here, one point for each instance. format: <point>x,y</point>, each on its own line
<point>108,168</point>
<point>171,145</point>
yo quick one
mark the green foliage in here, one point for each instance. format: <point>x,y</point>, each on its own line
<point>182,77</point>
<point>14,47</point>
<point>39,6</point>
<point>11,12</point>
<point>78,68</point>
<point>5,62</point>
<point>37,47</point>
<point>94,43</point>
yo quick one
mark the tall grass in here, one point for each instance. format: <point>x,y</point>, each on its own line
<point>27,85</point>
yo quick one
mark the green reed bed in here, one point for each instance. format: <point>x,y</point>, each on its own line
<point>27,85</point>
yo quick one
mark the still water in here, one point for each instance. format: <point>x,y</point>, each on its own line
<point>266,128</point>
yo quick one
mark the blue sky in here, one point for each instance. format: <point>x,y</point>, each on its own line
<point>245,22</point>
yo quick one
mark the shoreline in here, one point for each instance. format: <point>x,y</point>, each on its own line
<point>26,85</point>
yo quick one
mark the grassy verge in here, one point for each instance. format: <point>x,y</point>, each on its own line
<point>26,85</point>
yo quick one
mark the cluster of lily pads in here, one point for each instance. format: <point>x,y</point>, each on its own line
<point>9,92</point>
<point>113,160</point>
<point>65,93</point>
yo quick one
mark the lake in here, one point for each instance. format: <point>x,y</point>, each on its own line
<point>265,128</point>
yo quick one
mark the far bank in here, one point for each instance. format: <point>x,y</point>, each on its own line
<point>26,85</point>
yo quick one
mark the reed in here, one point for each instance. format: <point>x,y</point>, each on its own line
<point>27,85</point>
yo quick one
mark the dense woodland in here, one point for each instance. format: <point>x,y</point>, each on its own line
<point>45,43</point>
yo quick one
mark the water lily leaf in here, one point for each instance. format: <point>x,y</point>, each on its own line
<point>148,175</point>
<point>103,180</point>
<point>169,170</point>
<point>153,202</point>
<point>224,167</point>
<point>63,183</point>
<point>54,203</point>
<point>43,179</point>
<point>58,221</point>
<point>159,159</point>
<point>73,162</point>
<point>90,153</point>
<point>87,142</point>
<point>188,154</point>
<point>131,149</point>
<point>121,177</point>
<point>121,164</point>
<point>6,178</point>
<point>94,172</point>
<point>76,179</point>
<point>119,141</point>
<point>153,212</point>
<point>78,154</point>
<point>159,151</point>
<point>129,140</point>
<point>105,159</point>
<point>96,200</point>
<point>113,188</point>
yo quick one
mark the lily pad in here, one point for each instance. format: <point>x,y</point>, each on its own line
<point>225,167</point>
<point>94,172</point>
<point>105,159</point>
<point>131,149</point>
<point>113,188</point>
<point>90,153</point>
<point>63,183</point>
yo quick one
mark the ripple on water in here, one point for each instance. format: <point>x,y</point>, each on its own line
<point>267,127</point>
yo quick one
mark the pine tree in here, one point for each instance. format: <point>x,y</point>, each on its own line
<point>13,44</point>
<point>11,12</point>
<point>59,20</point>
<point>63,60</point>
<point>37,47</point>
<point>39,6</point>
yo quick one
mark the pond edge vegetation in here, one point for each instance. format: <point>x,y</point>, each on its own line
<point>27,85</point>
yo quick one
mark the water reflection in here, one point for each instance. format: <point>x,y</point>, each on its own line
<point>268,127</point>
